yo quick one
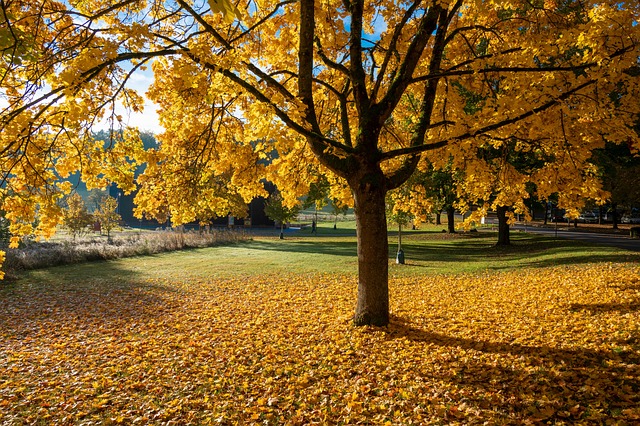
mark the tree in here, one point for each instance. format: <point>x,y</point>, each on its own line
<point>360,90</point>
<point>96,198</point>
<point>337,209</point>
<point>620,172</point>
<point>399,214</point>
<point>441,188</point>
<point>317,197</point>
<point>107,215</point>
<point>76,218</point>
<point>320,195</point>
<point>508,175</point>
<point>5,235</point>
<point>276,210</point>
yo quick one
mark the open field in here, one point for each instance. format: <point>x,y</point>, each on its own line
<point>260,333</point>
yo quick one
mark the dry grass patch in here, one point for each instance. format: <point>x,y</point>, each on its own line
<point>557,345</point>
<point>36,255</point>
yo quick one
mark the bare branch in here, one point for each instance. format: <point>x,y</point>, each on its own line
<point>205,25</point>
<point>327,61</point>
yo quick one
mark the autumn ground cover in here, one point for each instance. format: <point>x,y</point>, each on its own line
<point>260,333</point>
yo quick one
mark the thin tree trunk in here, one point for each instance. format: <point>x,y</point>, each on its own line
<point>599,215</point>
<point>503,227</point>
<point>373,256</point>
<point>400,252</point>
<point>451,215</point>
<point>546,212</point>
<point>614,214</point>
<point>438,219</point>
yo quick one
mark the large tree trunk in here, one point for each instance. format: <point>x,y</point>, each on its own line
<point>373,255</point>
<point>503,227</point>
<point>451,216</point>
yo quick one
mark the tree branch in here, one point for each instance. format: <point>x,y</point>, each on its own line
<point>428,25</point>
<point>305,60</point>
<point>263,20</point>
<point>495,126</point>
<point>358,75</point>
<point>573,68</point>
<point>205,25</point>
<point>281,114</point>
<point>85,77</point>
<point>397,32</point>
<point>327,61</point>
<point>426,108</point>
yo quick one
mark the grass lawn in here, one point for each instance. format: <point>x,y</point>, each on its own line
<point>260,333</point>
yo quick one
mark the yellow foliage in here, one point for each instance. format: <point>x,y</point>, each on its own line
<point>554,345</point>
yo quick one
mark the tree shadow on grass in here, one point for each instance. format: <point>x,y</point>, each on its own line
<point>89,293</point>
<point>401,328</point>
<point>525,250</point>
<point>335,248</point>
<point>551,383</point>
<point>537,252</point>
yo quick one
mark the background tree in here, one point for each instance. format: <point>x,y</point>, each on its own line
<point>398,214</point>
<point>325,85</point>
<point>96,198</point>
<point>5,234</point>
<point>276,210</point>
<point>337,209</point>
<point>76,218</point>
<point>320,195</point>
<point>317,197</point>
<point>107,215</point>
<point>441,189</point>
<point>620,173</point>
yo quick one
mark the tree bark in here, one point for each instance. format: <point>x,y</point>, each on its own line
<point>451,215</point>
<point>600,208</point>
<point>373,254</point>
<point>438,220</point>
<point>503,227</point>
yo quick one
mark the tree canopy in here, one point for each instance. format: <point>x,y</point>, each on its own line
<point>359,91</point>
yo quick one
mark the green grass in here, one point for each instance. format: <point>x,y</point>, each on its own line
<point>427,251</point>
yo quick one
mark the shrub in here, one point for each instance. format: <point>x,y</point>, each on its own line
<point>76,218</point>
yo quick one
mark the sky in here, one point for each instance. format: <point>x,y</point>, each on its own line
<point>146,120</point>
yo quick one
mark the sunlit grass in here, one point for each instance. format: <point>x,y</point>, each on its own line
<point>335,252</point>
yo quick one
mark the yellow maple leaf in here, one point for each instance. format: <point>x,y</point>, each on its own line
<point>228,9</point>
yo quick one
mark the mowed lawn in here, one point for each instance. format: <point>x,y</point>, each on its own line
<point>260,333</point>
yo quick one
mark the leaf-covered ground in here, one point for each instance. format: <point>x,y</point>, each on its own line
<point>558,345</point>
